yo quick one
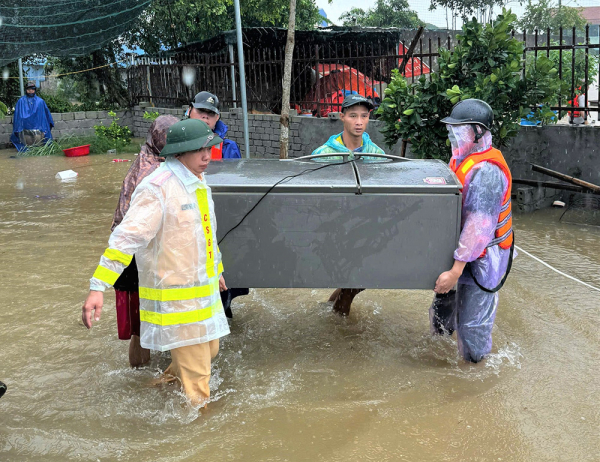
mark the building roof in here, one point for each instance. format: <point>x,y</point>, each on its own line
<point>591,14</point>
<point>270,36</point>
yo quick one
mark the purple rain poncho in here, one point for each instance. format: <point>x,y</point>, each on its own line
<point>471,311</point>
<point>483,191</point>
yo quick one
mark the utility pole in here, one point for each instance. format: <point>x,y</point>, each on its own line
<point>284,120</point>
<point>240,49</point>
<point>21,76</point>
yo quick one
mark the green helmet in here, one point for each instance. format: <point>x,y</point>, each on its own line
<point>189,135</point>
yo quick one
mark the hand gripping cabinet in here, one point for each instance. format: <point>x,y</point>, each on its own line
<point>384,224</point>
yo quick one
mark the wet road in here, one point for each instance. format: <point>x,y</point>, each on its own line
<point>293,382</point>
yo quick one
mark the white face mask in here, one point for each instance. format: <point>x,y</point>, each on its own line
<point>462,140</point>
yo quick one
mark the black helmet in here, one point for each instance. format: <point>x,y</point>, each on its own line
<point>471,111</point>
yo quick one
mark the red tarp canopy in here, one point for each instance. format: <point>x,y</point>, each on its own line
<point>334,82</point>
<point>414,66</point>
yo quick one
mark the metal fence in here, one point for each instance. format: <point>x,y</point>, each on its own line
<point>582,53</point>
<point>324,72</point>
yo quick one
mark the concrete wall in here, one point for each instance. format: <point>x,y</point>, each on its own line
<point>70,123</point>
<point>306,133</point>
<point>574,150</point>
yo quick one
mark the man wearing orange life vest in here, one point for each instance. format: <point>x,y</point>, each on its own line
<point>485,248</point>
<point>578,117</point>
<point>205,107</point>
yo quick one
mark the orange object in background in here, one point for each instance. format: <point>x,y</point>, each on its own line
<point>334,82</point>
<point>414,66</point>
<point>216,152</point>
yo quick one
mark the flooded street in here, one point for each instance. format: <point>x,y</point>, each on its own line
<point>293,382</point>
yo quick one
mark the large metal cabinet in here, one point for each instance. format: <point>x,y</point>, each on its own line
<point>356,225</point>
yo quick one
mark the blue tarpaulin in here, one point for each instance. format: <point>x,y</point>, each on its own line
<point>31,113</point>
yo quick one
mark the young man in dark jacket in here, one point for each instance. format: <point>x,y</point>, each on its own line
<point>205,107</point>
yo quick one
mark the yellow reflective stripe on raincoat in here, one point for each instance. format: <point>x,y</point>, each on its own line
<point>186,317</point>
<point>202,196</point>
<point>170,295</point>
<point>117,255</point>
<point>106,275</point>
<point>467,166</point>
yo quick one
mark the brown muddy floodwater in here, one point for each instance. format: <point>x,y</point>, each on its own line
<point>293,382</point>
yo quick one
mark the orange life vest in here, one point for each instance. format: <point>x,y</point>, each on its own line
<point>504,233</point>
<point>216,152</point>
<point>575,103</point>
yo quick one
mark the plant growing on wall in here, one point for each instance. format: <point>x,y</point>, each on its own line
<point>487,64</point>
<point>3,109</point>
<point>120,136</point>
<point>151,115</point>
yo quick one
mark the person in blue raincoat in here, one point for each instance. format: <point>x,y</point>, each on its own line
<point>32,120</point>
<point>205,107</point>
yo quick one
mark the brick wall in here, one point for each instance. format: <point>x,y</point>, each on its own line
<point>70,123</point>
<point>306,133</point>
<point>140,126</point>
<point>5,131</point>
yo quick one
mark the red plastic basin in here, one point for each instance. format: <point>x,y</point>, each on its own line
<point>77,151</point>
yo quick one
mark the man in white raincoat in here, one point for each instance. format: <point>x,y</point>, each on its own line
<point>171,228</point>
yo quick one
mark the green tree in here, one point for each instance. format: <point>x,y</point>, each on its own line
<point>465,9</point>
<point>568,76</point>
<point>486,64</point>
<point>10,90</point>
<point>545,14</point>
<point>386,13</point>
<point>102,85</point>
<point>168,24</point>
<point>165,25</point>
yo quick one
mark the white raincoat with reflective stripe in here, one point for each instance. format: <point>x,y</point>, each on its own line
<point>171,228</point>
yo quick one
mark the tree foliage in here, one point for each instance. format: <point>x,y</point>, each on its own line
<point>466,9</point>
<point>487,64</point>
<point>545,14</point>
<point>573,78</point>
<point>168,24</point>
<point>386,13</point>
<point>102,86</point>
<point>10,90</point>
